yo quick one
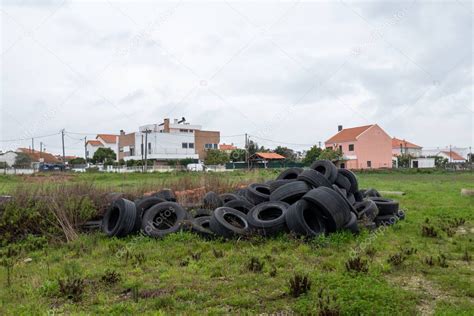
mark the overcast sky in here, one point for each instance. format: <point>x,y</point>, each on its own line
<point>288,72</point>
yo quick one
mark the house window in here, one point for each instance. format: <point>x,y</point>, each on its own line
<point>369,164</point>
<point>340,147</point>
<point>184,145</point>
<point>215,146</point>
<point>191,145</point>
<point>351,147</point>
<point>208,146</point>
<point>132,151</point>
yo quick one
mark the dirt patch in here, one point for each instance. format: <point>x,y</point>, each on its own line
<point>432,294</point>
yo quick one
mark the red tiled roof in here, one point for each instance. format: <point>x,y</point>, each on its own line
<point>453,155</point>
<point>397,143</point>
<point>108,138</point>
<point>348,134</point>
<point>94,143</point>
<point>270,156</point>
<point>36,155</point>
<point>227,147</point>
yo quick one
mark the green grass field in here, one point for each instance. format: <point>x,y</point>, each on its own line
<point>429,273</point>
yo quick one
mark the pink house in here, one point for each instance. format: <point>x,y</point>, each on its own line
<point>363,147</point>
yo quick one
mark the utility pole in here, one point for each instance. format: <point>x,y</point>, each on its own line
<point>142,151</point>
<point>450,154</point>
<point>32,145</point>
<point>470,157</point>
<point>146,149</point>
<point>319,143</point>
<point>64,152</point>
<point>41,149</point>
<point>85,148</point>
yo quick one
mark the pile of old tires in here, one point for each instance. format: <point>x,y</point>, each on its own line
<point>305,202</point>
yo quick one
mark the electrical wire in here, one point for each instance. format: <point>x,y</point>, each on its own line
<point>29,138</point>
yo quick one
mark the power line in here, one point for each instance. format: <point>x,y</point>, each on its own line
<point>278,142</point>
<point>28,138</point>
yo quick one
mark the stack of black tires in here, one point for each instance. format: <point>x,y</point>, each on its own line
<point>306,202</point>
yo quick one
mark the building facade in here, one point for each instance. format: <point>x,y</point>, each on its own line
<point>167,141</point>
<point>403,147</point>
<point>363,147</point>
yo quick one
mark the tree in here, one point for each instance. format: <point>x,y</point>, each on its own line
<point>237,155</point>
<point>252,148</point>
<point>216,157</point>
<point>77,161</point>
<point>103,154</point>
<point>404,160</point>
<point>22,160</point>
<point>312,155</point>
<point>330,154</point>
<point>286,152</point>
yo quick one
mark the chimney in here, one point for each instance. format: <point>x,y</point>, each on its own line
<point>339,128</point>
<point>166,128</point>
<point>122,132</point>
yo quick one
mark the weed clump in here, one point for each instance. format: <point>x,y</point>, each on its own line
<point>327,305</point>
<point>218,253</point>
<point>357,264</point>
<point>466,256</point>
<point>429,231</point>
<point>299,285</point>
<point>72,286</point>
<point>401,256</point>
<point>110,277</point>
<point>255,265</point>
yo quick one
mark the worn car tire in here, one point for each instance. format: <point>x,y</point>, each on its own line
<point>326,168</point>
<point>314,178</point>
<point>275,184</point>
<point>227,222</point>
<point>304,219</point>
<point>243,206</point>
<point>359,197</point>
<point>163,219</point>
<point>290,174</point>
<point>349,175</point>
<point>371,193</point>
<point>352,225</point>
<point>386,206</point>
<point>336,212</point>
<point>202,212</point>
<point>227,197</point>
<point>366,210</point>
<point>386,220</point>
<point>342,181</point>
<point>200,226</point>
<point>343,194</point>
<point>143,205</point>
<point>268,218</point>
<point>212,200</point>
<point>290,193</point>
<point>258,193</point>
<point>351,198</point>
<point>166,194</point>
<point>119,220</point>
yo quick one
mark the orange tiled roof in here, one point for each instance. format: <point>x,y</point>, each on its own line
<point>227,147</point>
<point>108,138</point>
<point>94,143</point>
<point>397,143</point>
<point>270,156</point>
<point>36,155</point>
<point>348,134</point>
<point>453,155</point>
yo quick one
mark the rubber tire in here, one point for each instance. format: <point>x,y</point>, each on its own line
<point>201,213</point>
<point>150,229</point>
<point>386,220</point>
<point>352,179</point>
<point>243,206</point>
<point>335,211</point>
<point>386,206</point>
<point>290,174</point>
<point>326,168</point>
<point>352,225</point>
<point>221,227</point>
<point>275,184</point>
<point>166,194</point>
<point>212,200</point>
<point>258,193</point>
<point>359,197</point>
<point>200,226</point>
<point>314,178</point>
<point>351,198</point>
<point>371,193</point>
<point>143,205</point>
<point>127,213</point>
<point>342,181</point>
<point>290,193</point>
<point>268,227</point>
<point>343,194</point>
<point>367,210</point>
<point>297,217</point>
<point>226,197</point>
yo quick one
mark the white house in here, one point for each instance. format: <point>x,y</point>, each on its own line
<point>452,156</point>
<point>422,163</point>
<point>8,157</point>
<point>401,146</point>
<point>91,147</point>
<point>103,141</point>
